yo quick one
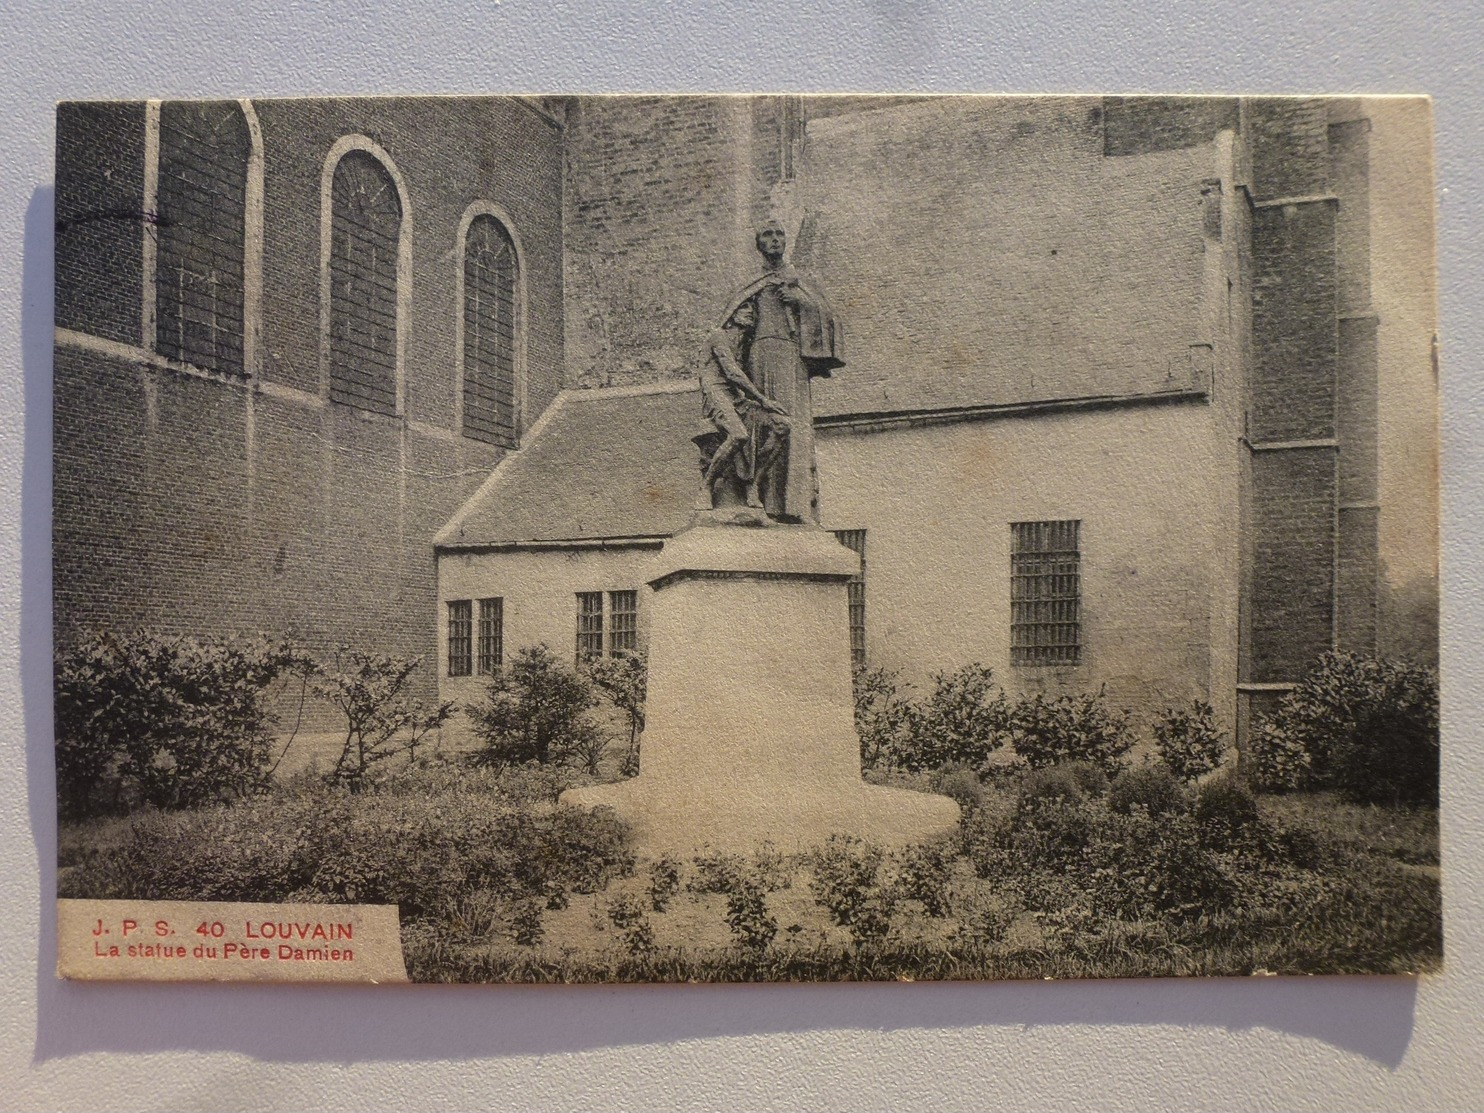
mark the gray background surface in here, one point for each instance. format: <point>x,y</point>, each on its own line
<point>1259,1043</point>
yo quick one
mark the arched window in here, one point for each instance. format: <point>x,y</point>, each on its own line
<point>365,230</point>
<point>201,229</point>
<point>489,332</point>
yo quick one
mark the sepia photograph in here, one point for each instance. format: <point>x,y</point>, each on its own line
<point>730,538</point>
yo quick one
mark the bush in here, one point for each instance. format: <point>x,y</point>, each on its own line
<point>664,881</point>
<point>1146,866</point>
<point>885,720</point>
<point>624,679</point>
<point>961,786</point>
<point>536,709</point>
<point>1069,728</point>
<point>962,721</point>
<point>1049,833</point>
<point>846,884</point>
<point>748,916</point>
<point>1365,726</point>
<point>1188,741</point>
<point>626,914</point>
<point>1057,782</point>
<point>922,874</point>
<point>174,722</point>
<point>526,926</point>
<point>392,844</point>
<point>1090,778</point>
<point>1151,787</point>
<point>716,871</point>
<point>381,720</point>
<point>1225,811</point>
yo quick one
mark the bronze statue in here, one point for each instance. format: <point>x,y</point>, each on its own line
<point>779,332</point>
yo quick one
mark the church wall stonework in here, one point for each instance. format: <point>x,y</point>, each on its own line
<point>198,503</point>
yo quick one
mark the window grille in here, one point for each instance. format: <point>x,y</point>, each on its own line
<point>365,227</point>
<point>855,540</point>
<point>589,625</point>
<point>459,637</point>
<point>201,233</point>
<point>623,621</point>
<point>491,636</point>
<point>1045,593</point>
<point>489,333</point>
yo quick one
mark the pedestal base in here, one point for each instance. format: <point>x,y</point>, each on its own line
<point>750,730</point>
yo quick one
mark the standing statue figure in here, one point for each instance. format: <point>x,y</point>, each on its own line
<point>781,332</point>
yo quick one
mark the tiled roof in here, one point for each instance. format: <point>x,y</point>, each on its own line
<point>599,464</point>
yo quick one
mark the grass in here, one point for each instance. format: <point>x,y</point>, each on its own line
<point>477,861</point>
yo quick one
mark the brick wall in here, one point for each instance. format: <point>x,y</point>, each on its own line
<point>1293,553</point>
<point>658,230</point>
<point>100,218</point>
<point>1143,125</point>
<point>194,504</point>
<point>1289,139</point>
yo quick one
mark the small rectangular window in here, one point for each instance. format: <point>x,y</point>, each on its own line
<point>589,625</point>
<point>460,637</point>
<point>623,622</point>
<point>1045,593</point>
<point>491,636</point>
<point>855,540</point>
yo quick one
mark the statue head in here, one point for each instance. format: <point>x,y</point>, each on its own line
<point>771,240</point>
<point>744,318</point>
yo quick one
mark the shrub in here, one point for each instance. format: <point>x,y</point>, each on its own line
<point>536,709</point>
<point>961,721</point>
<point>984,921</point>
<point>748,916</point>
<point>626,914</point>
<point>846,884</point>
<point>624,679</point>
<point>526,927</point>
<point>885,720</point>
<point>960,785</point>
<point>1363,725</point>
<point>389,845</point>
<point>716,872</point>
<point>1146,866</point>
<point>1050,833</point>
<point>1090,778</point>
<point>176,722</point>
<point>1188,741</point>
<point>1225,811</point>
<point>1069,728</point>
<point>922,874</point>
<point>1057,782</point>
<point>1151,787</point>
<point>664,881</point>
<point>381,720</point>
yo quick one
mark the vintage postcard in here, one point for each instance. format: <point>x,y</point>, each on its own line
<point>716,538</point>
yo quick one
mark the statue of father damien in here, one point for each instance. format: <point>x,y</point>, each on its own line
<point>786,335</point>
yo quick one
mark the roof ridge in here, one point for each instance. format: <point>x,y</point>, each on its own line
<point>455,525</point>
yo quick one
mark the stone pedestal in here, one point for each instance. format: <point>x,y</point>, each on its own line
<point>750,731</point>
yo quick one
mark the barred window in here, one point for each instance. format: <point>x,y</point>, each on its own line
<point>489,333</point>
<point>623,621</point>
<point>201,232</point>
<point>855,540</point>
<point>460,648</point>
<point>1045,593</point>
<point>365,228</point>
<point>589,625</point>
<point>491,636</point>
